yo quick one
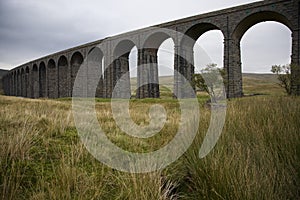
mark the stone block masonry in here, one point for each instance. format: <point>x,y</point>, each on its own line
<point>53,76</point>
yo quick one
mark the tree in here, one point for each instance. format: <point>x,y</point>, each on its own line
<point>211,80</point>
<point>284,76</point>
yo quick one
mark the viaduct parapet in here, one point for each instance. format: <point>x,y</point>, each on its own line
<point>53,76</point>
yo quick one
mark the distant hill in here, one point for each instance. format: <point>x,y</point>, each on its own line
<point>264,77</point>
<point>261,84</point>
<point>252,83</point>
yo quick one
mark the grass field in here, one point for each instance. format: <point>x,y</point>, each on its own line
<point>261,84</point>
<point>257,156</point>
<point>253,84</point>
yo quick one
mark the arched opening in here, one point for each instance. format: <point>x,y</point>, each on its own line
<point>52,79</point>
<point>95,73</point>
<point>264,40</point>
<point>133,61</point>
<point>209,49</point>
<point>63,77</point>
<point>259,52</point>
<point>76,61</point>
<point>208,52</point>
<point>34,82</point>
<point>157,54</point>
<point>165,58</point>
<point>27,85</point>
<point>120,71</point>
<point>202,48</point>
<point>42,80</point>
<point>165,62</point>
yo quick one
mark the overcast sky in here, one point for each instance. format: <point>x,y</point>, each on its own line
<point>30,29</point>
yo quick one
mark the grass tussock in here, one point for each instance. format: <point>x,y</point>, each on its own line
<point>257,156</point>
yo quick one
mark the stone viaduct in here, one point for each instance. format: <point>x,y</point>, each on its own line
<point>53,76</point>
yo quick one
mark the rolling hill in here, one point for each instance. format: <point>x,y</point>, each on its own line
<point>253,84</point>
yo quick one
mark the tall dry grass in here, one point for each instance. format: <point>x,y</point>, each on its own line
<point>257,156</point>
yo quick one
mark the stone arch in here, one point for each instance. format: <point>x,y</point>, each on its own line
<point>63,77</point>
<point>234,64</point>
<point>120,69</point>
<point>154,40</point>
<point>256,18</point>
<point>52,79</point>
<point>148,65</point>
<point>35,81</point>
<point>76,61</point>
<point>195,31</point>
<point>95,72</point>
<point>192,35</point>
<point>123,48</point>
<point>185,62</point>
<point>42,80</point>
